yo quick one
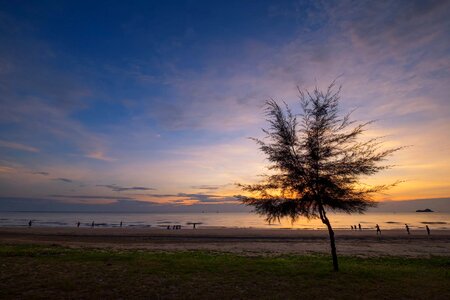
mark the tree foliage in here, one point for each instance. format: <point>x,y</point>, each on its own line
<point>317,160</point>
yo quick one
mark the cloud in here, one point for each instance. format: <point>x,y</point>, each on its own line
<point>45,204</point>
<point>39,99</point>
<point>208,198</point>
<point>63,179</point>
<point>41,173</point>
<point>198,197</point>
<point>6,169</point>
<point>99,155</point>
<point>206,187</point>
<point>90,197</point>
<point>161,195</point>
<point>389,52</point>
<point>404,25</point>
<point>122,205</point>
<point>17,146</point>
<point>117,188</point>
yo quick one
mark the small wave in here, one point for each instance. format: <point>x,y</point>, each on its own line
<point>392,222</point>
<point>51,223</point>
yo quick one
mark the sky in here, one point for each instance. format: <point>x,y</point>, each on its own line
<point>143,105</point>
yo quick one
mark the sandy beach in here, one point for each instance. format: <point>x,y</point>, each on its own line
<point>243,241</point>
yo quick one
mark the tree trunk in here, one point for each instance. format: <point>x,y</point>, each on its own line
<point>325,220</point>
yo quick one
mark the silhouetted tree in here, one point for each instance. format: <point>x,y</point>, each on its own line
<point>316,162</point>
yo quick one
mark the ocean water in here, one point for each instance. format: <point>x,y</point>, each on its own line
<point>229,220</point>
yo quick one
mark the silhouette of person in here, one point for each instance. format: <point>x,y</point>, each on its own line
<point>30,223</point>
<point>93,224</point>
<point>120,223</point>
<point>359,226</point>
<point>378,229</point>
<point>351,226</point>
<point>407,228</point>
<point>78,224</point>
<point>428,229</point>
<point>168,226</point>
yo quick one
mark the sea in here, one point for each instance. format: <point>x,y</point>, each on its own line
<point>368,220</point>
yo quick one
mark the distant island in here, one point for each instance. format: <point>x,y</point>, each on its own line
<point>424,210</point>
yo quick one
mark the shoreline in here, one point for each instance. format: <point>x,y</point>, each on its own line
<point>247,241</point>
<point>131,228</point>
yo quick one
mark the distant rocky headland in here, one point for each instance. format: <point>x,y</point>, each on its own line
<point>424,210</point>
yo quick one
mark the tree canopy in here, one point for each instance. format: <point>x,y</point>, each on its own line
<point>317,160</point>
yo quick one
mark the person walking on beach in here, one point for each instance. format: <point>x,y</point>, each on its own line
<point>428,229</point>
<point>30,223</point>
<point>407,228</point>
<point>93,224</point>
<point>120,224</point>
<point>78,224</point>
<point>359,226</point>
<point>378,229</point>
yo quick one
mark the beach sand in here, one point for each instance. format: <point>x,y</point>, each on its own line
<point>242,241</point>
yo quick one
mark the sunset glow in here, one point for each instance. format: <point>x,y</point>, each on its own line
<point>150,105</point>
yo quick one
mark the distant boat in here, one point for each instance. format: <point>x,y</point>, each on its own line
<point>424,210</point>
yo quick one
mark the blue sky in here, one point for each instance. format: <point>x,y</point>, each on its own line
<point>162,95</point>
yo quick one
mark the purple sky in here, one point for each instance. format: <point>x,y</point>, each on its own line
<point>116,103</point>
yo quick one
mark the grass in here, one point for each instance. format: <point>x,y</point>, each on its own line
<point>56,272</point>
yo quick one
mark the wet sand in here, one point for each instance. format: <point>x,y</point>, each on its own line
<point>363,243</point>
